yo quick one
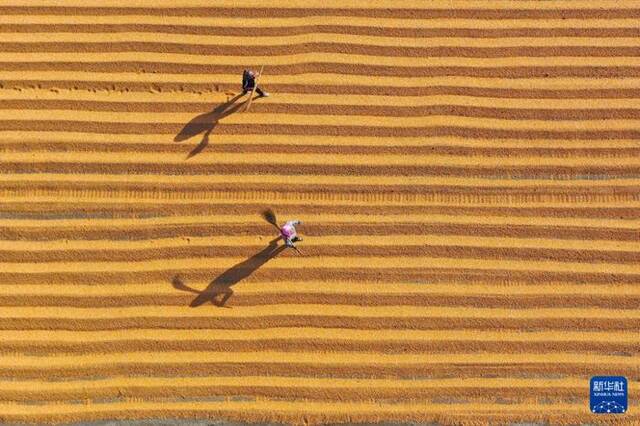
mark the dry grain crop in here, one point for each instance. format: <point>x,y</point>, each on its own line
<point>467,172</point>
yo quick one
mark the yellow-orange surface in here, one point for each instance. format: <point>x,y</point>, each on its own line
<point>467,172</point>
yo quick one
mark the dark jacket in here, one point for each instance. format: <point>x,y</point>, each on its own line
<point>248,80</point>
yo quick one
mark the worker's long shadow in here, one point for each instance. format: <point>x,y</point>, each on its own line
<point>206,123</point>
<point>221,285</point>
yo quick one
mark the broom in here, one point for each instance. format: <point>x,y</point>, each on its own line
<point>270,217</point>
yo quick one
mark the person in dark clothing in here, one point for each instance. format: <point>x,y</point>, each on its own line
<point>249,82</point>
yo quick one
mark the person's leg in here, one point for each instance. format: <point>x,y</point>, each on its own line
<point>261,92</point>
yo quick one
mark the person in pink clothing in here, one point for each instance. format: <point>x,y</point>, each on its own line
<point>288,232</point>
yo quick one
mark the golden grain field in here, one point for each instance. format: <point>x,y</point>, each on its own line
<point>468,175</point>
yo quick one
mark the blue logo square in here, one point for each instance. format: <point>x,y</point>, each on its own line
<point>608,395</point>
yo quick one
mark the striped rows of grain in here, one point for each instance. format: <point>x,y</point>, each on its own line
<point>468,174</point>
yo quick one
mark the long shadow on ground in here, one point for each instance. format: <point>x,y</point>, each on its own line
<point>221,285</point>
<point>205,123</point>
